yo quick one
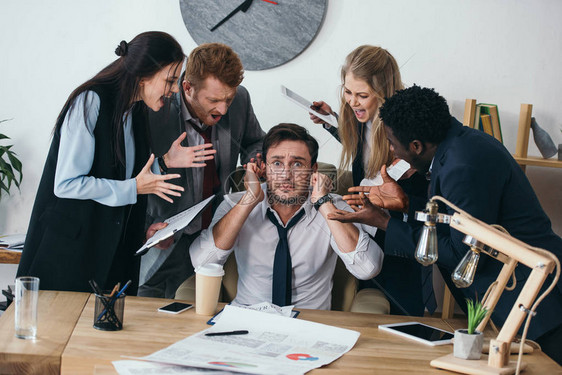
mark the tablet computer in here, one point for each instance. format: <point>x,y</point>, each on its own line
<point>307,105</point>
<point>420,332</point>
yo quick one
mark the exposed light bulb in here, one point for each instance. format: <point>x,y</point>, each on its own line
<point>463,275</point>
<point>426,250</point>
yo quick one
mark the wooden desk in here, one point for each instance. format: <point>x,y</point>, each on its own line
<point>145,331</point>
<point>9,256</point>
<point>56,318</point>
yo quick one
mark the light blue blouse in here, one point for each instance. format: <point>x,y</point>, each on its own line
<point>76,156</point>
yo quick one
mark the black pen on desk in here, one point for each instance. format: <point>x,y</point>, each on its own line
<point>228,333</point>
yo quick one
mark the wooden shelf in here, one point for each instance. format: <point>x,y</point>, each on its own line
<point>9,257</point>
<point>538,162</point>
<point>522,143</point>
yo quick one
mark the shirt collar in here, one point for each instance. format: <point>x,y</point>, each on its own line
<point>309,212</point>
<point>428,173</point>
<point>187,116</point>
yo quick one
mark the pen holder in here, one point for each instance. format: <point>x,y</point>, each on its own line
<point>108,312</point>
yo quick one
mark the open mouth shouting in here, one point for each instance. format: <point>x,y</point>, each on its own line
<point>361,114</point>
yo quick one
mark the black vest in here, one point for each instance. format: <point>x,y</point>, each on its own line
<point>70,241</point>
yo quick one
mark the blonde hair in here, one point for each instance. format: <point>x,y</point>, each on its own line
<point>379,70</point>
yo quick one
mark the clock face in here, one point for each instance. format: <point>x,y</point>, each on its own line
<point>264,33</point>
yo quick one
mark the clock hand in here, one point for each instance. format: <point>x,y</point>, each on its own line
<point>242,7</point>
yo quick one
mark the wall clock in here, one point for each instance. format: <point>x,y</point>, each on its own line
<point>264,33</point>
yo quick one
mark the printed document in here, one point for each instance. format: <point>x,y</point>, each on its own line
<point>273,345</point>
<point>175,223</point>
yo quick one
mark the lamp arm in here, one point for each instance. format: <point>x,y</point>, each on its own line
<point>541,262</point>
<point>495,291</point>
<point>536,304</point>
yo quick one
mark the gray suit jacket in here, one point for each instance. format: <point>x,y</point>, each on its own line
<point>238,133</point>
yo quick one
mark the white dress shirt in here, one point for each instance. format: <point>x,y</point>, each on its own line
<point>313,251</point>
<point>76,156</point>
<point>194,139</point>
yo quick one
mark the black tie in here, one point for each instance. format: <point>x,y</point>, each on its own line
<point>282,266</point>
<point>211,182</point>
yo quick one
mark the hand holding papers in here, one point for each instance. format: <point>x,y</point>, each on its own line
<point>175,223</point>
<point>396,171</point>
<point>307,105</point>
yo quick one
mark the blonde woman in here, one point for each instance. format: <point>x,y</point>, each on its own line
<point>368,75</point>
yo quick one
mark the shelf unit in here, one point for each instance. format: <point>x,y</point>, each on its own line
<point>522,143</point>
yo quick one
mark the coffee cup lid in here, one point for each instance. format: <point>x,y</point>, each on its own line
<point>210,269</point>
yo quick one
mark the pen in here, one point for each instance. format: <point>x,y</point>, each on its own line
<point>113,299</point>
<point>95,287</point>
<point>228,333</point>
<point>121,291</point>
<point>115,289</point>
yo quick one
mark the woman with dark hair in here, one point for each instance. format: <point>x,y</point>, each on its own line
<point>89,214</point>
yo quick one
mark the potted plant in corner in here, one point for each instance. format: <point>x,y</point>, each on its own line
<point>468,342</point>
<point>10,167</point>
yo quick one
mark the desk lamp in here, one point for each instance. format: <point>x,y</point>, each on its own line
<point>489,240</point>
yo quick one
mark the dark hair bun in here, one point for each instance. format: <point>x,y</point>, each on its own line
<point>121,49</point>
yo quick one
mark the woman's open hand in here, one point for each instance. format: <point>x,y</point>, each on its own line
<point>150,183</point>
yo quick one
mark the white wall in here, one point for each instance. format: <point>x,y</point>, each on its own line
<point>497,51</point>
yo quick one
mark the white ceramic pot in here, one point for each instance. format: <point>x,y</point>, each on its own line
<point>468,346</point>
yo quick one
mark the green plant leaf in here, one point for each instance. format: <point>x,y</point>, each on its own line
<point>476,312</point>
<point>16,163</point>
<point>3,187</point>
<point>10,168</point>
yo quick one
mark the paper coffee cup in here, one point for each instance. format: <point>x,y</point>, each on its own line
<point>208,280</point>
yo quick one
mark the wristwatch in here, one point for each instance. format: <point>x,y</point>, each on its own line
<point>324,199</point>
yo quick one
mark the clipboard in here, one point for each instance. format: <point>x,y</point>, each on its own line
<point>307,105</point>
<point>215,317</point>
<point>175,224</point>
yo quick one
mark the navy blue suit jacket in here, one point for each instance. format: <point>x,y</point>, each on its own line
<point>477,173</point>
<point>400,277</point>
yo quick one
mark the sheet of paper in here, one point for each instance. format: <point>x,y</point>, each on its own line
<point>274,345</point>
<point>395,171</point>
<point>12,241</point>
<point>175,224</point>
<point>128,367</point>
<point>307,105</point>
<point>266,307</point>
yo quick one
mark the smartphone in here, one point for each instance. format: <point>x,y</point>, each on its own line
<point>175,307</point>
<point>420,332</point>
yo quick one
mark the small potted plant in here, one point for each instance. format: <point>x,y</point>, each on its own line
<point>468,342</point>
<point>10,167</point>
